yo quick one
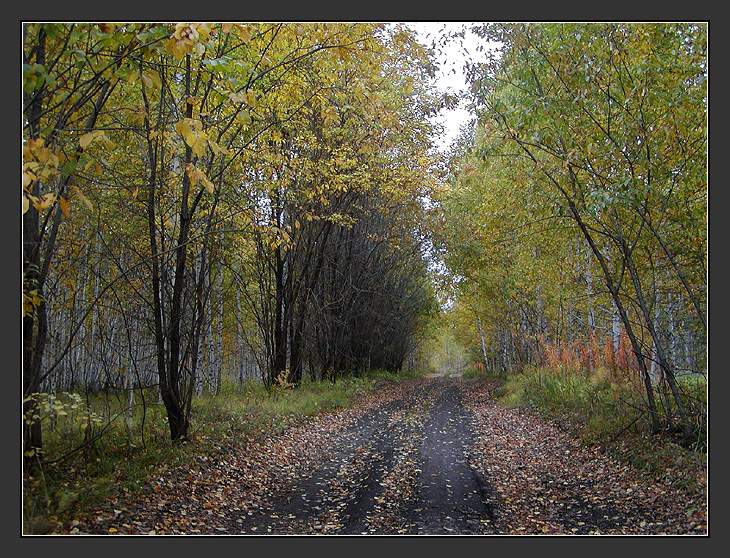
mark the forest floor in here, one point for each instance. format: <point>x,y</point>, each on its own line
<point>435,455</point>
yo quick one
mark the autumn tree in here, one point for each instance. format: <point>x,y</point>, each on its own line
<point>604,130</point>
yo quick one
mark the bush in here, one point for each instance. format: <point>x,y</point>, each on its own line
<point>574,396</point>
<point>694,394</point>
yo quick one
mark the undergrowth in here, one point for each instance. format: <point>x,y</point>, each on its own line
<point>70,481</point>
<point>613,415</point>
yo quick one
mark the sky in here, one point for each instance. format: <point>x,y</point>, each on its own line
<point>450,76</point>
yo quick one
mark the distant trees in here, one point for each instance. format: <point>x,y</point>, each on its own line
<point>345,163</point>
<point>373,290</point>
<point>185,190</point>
<point>69,75</point>
<point>588,173</point>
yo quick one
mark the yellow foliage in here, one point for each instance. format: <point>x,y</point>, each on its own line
<point>198,176</point>
<point>192,132</point>
<point>88,138</point>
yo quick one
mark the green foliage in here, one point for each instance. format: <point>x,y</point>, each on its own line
<point>593,401</point>
<point>235,404</point>
<point>476,373</point>
<point>387,376</point>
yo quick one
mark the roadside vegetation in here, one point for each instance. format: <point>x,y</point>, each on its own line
<point>573,225</point>
<point>96,448</point>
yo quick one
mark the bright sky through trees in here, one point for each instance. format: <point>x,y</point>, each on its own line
<point>450,76</point>
<point>255,254</point>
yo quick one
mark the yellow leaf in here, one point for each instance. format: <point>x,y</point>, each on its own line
<point>65,206</point>
<point>83,198</point>
<point>28,178</point>
<point>199,145</point>
<point>217,149</point>
<point>156,79</point>
<point>44,202</point>
<point>177,48</point>
<point>192,132</point>
<point>243,32</point>
<point>87,139</point>
<point>208,184</point>
<point>26,204</point>
<point>198,176</point>
<point>184,128</point>
<point>204,30</point>
<point>151,79</point>
<point>342,52</point>
<point>35,297</point>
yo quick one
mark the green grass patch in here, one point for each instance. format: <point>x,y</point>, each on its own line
<point>384,375</point>
<point>473,373</point>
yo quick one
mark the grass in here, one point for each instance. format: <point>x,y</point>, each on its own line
<point>127,453</point>
<point>474,373</point>
<point>384,375</point>
<point>612,415</point>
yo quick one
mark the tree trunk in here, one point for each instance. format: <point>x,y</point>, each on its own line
<point>33,324</point>
<point>483,345</point>
<point>648,319</point>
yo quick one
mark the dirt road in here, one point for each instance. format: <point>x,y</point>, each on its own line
<point>401,468</point>
<point>433,456</point>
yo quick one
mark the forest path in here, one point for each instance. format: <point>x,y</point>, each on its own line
<point>401,468</point>
<point>431,456</point>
